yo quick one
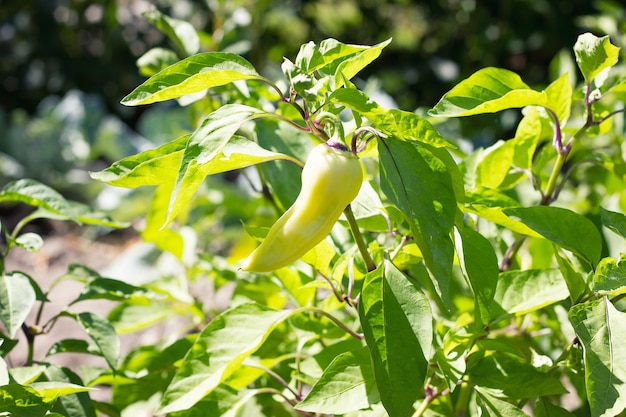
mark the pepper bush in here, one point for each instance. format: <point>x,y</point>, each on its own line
<point>460,281</point>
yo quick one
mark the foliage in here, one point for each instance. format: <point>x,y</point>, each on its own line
<point>459,282</point>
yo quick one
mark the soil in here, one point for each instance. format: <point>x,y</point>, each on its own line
<point>65,245</point>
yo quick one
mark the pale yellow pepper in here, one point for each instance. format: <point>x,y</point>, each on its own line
<point>331,179</point>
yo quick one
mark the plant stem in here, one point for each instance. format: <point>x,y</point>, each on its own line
<point>358,238</point>
<point>548,197</point>
<point>332,318</point>
<point>465,391</point>
<point>274,375</point>
<point>510,253</point>
<point>30,341</point>
<point>423,406</point>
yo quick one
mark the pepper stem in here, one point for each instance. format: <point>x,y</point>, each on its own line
<point>358,237</point>
<point>337,133</point>
<point>363,131</point>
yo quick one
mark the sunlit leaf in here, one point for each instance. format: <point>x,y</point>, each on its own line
<point>563,227</point>
<point>101,331</point>
<point>614,221</point>
<point>152,167</point>
<point>219,350</point>
<point>419,184</point>
<point>17,298</point>
<point>559,99</point>
<point>154,60</point>
<point>181,32</point>
<point>393,122</point>
<point>488,90</point>
<point>397,323</point>
<point>602,331</point>
<point>207,152</point>
<point>49,391</point>
<point>36,194</point>
<point>495,407</point>
<point>514,378</point>
<point>348,68</point>
<point>520,292</point>
<point>63,381</point>
<point>480,264</point>
<point>346,385</point>
<point>30,242</point>
<point>610,276</point>
<point>491,205</point>
<point>23,401</point>
<point>191,75</point>
<point>594,54</point>
<point>52,205</point>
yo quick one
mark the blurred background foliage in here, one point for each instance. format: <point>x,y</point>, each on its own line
<point>65,64</point>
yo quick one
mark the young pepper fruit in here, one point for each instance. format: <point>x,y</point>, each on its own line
<point>331,179</point>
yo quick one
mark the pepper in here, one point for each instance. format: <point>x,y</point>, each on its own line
<point>331,179</point>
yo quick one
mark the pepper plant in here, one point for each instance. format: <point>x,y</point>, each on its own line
<point>460,281</point>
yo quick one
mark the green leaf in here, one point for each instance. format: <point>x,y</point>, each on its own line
<point>167,240</point>
<point>87,215</point>
<point>392,122</point>
<point>219,350</point>
<point>491,205</point>
<point>343,61</point>
<point>76,403</point>
<point>114,290</point>
<point>283,178</point>
<point>350,67</point>
<point>594,54</point>
<point>523,291</point>
<point>576,280</point>
<point>22,401</point>
<point>419,184</point>
<point>27,374</point>
<point>128,318</point>
<point>192,75</point>
<point>152,167</point>
<point>515,379</point>
<point>544,408</point>
<point>480,264</point>
<point>495,407</point>
<point>615,222</point>
<point>207,153</point>
<point>488,90</point>
<point>534,128</point>
<point>346,385</point>
<point>155,60</point>
<point>101,331</point>
<point>495,165</point>
<point>4,372</point>
<point>602,331</point>
<point>559,99</point>
<point>17,298</point>
<point>52,205</point>
<point>73,346</point>
<point>237,153</point>
<point>51,390</point>
<point>563,227</point>
<point>610,276</point>
<point>182,33</point>
<point>30,242</point>
<point>36,194</point>
<point>397,323</point>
